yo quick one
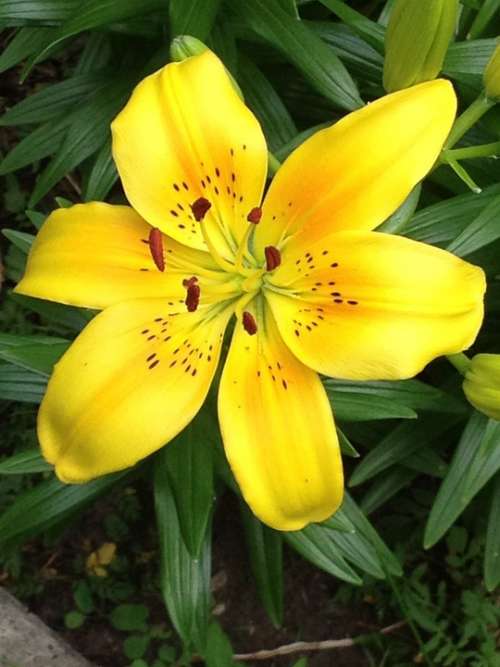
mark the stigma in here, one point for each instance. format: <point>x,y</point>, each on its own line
<point>155,242</point>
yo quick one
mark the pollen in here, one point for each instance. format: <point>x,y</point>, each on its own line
<point>155,242</point>
<point>193,294</point>
<point>255,215</point>
<point>273,257</point>
<point>249,323</point>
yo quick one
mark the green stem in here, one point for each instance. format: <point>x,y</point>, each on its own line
<point>460,361</point>
<point>470,116</point>
<point>472,152</point>
<point>274,163</point>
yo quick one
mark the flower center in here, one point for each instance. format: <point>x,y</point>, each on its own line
<point>252,283</point>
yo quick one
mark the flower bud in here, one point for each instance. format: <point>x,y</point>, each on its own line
<point>492,75</point>
<point>185,46</point>
<point>482,384</point>
<point>416,41</point>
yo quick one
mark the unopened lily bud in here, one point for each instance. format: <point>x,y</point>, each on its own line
<point>185,46</point>
<point>416,41</point>
<point>482,384</point>
<point>492,75</point>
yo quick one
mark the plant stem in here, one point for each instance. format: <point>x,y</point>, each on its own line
<point>274,163</point>
<point>472,152</point>
<point>470,116</point>
<point>460,361</point>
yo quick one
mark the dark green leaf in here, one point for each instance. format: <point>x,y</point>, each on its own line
<point>476,460</point>
<point>265,548</point>
<point>21,240</point>
<point>468,58</point>
<point>185,581</point>
<point>371,32</point>
<point>39,11</point>
<point>102,176</point>
<point>136,646</point>
<point>25,42</point>
<point>304,49</point>
<point>37,358</point>
<point>485,14</point>
<point>386,487</point>
<point>219,652</point>
<point>18,384</point>
<point>129,617</point>
<point>38,508</point>
<point>192,17</point>
<point>74,620</point>
<point>346,446</point>
<point>480,232</point>
<point>67,316</point>
<point>190,470</point>
<point>492,551</point>
<point>357,406</point>
<point>30,461</point>
<point>399,219</point>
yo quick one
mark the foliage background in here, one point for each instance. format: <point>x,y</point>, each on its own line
<point>417,536</point>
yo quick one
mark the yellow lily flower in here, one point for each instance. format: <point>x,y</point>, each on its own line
<point>314,290</point>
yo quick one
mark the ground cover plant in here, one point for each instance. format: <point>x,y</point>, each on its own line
<point>239,541</point>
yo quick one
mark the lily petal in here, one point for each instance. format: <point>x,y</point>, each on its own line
<point>185,135</point>
<point>131,381</point>
<point>94,255</point>
<point>371,306</point>
<point>278,431</point>
<point>354,174</point>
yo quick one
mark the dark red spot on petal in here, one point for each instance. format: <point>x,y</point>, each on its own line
<point>200,207</point>
<point>273,257</point>
<point>249,323</point>
<point>155,241</point>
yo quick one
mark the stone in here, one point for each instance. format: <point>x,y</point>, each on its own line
<point>27,642</point>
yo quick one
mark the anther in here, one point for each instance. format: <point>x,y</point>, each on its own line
<point>273,257</point>
<point>249,323</point>
<point>155,242</point>
<point>187,282</point>
<point>192,297</point>
<point>255,215</point>
<point>200,207</point>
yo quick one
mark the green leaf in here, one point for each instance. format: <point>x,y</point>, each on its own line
<point>185,581</point>
<point>30,461</point>
<point>51,101</point>
<point>37,358</point>
<point>21,240</point>
<point>304,49</point>
<point>492,551</point>
<point>263,100</point>
<point>485,14</point>
<point>476,460</point>
<point>465,59</point>
<point>398,220</point>
<point>15,340</point>
<point>25,42</point>
<point>371,32</point>
<point>219,652</point>
<point>103,175</point>
<point>386,487</point>
<point>480,232</point>
<point>398,444</point>
<point>82,596</point>
<point>38,508</point>
<point>39,11</point>
<point>190,470</point>
<point>315,544</point>
<point>442,222</point>
<point>18,384</point>
<point>89,130</point>
<point>362,525</point>
<point>36,218</point>
<point>357,406</point>
<point>74,620</point>
<point>129,618</point>
<point>192,17</point>
<point>346,446</point>
<point>57,313</point>
<point>136,646</point>
<point>265,548</point>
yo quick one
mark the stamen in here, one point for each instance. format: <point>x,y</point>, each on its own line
<point>193,296</point>
<point>155,242</point>
<point>187,282</point>
<point>249,323</point>
<point>255,215</point>
<point>200,208</point>
<point>273,257</point>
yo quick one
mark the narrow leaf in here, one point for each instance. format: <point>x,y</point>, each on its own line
<point>492,551</point>
<point>480,232</point>
<point>192,17</point>
<point>30,461</point>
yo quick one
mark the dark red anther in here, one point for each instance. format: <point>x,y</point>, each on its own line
<point>192,297</point>
<point>255,215</point>
<point>273,257</point>
<point>249,323</point>
<point>187,282</point>
<point>156,248</point>
<point>200,207</point>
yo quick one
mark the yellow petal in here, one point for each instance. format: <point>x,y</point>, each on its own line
<point>354,174</point>
<point>95,255</point>
<point>371,306</point>
<point>132,380</point>
<point>278,431</point>
<point>185,134</point>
